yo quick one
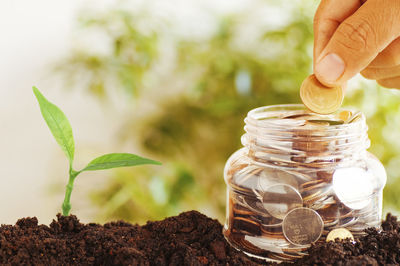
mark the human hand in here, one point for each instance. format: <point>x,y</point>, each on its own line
<point>351,37</point>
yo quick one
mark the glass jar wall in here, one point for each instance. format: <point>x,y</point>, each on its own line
<point>299,176</point>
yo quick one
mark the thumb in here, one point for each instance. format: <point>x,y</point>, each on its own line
<point>358,40</point>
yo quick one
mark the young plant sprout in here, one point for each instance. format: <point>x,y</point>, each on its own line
<point>62,132</point>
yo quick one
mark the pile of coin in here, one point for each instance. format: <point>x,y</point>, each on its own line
<point>287,195</point>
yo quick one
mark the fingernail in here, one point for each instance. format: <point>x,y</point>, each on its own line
<point>330,68</point>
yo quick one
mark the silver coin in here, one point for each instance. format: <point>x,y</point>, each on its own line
<point>271,176</point>
<point>279,199</point>
<point>348,221</point>
<point>267,177</point>
<point>254,204</point>
<point>319,204</point>
<point>301,177</point>
<point>353,187</point>
<point>302,226</point>
<point>330,215</point>
<point>315,191</point>
<point>246,179</point>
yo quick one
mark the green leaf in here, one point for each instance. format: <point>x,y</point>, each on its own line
<point>114,160</point>
<point>58,125</point>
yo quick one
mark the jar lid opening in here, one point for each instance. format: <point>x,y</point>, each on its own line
<point>297,116</point>
<point>295,135</point>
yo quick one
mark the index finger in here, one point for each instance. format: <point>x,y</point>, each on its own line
<point>329,15</point>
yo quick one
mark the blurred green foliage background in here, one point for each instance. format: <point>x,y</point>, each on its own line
<point>191,92</point>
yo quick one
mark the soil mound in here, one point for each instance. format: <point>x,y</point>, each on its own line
<point>188,239</point>
<point>377,247</point>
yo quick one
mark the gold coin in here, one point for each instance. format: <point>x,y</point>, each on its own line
<point>341,233</point>
<point>345,115</point>
<point>319,98</point>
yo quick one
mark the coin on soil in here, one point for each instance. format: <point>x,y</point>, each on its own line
<point>341,233</point>
<point>319,98</point>
<point>302,226</point>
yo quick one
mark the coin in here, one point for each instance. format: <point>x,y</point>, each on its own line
<point>254,204</point>
<point>267,220</point>
<point>319,98</point>
<point>297,116</point>
<point>345,115</point>
<point>246,226</point>
<point>302,226</point>
<point>246,179</point>
<point>355,117</point>
<point>273,232</point>
<point>240,243</point>
<point>310,147</point>
<point>318,123</point>
<point>280,198</point>
<point>329,214</point>
<point>267,244</point>
<point>271,176</point>
<point>326,176</point>
<point>327,122</point>
<point>340,233</point>
<point>353,187</point>
<point>317,196</point>
<point>239,210</point>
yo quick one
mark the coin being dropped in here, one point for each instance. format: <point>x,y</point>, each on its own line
<point>278,199</point>
<point>302,226</point>
<point>319,98</point>
<point>341,233</point>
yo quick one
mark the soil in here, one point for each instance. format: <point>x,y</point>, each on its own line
<point>188,239</point>
<point>377,247</point>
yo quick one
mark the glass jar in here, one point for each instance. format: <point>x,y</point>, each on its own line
<point>299,176</point>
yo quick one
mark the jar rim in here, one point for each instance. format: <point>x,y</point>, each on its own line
<point>291,134</point>
<point>276,116</point>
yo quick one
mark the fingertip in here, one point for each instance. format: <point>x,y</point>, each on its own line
<point>324,82</point>
<point>329,69</point>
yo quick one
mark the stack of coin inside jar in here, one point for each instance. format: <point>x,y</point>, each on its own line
<point>299,176</point>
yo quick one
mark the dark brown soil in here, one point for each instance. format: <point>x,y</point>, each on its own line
<point>188,239</point>
<point>375,248</point>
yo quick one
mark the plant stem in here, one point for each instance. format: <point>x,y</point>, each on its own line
<point>66,206</point>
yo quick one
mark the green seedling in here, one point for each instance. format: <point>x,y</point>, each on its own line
<point>62,132</point>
